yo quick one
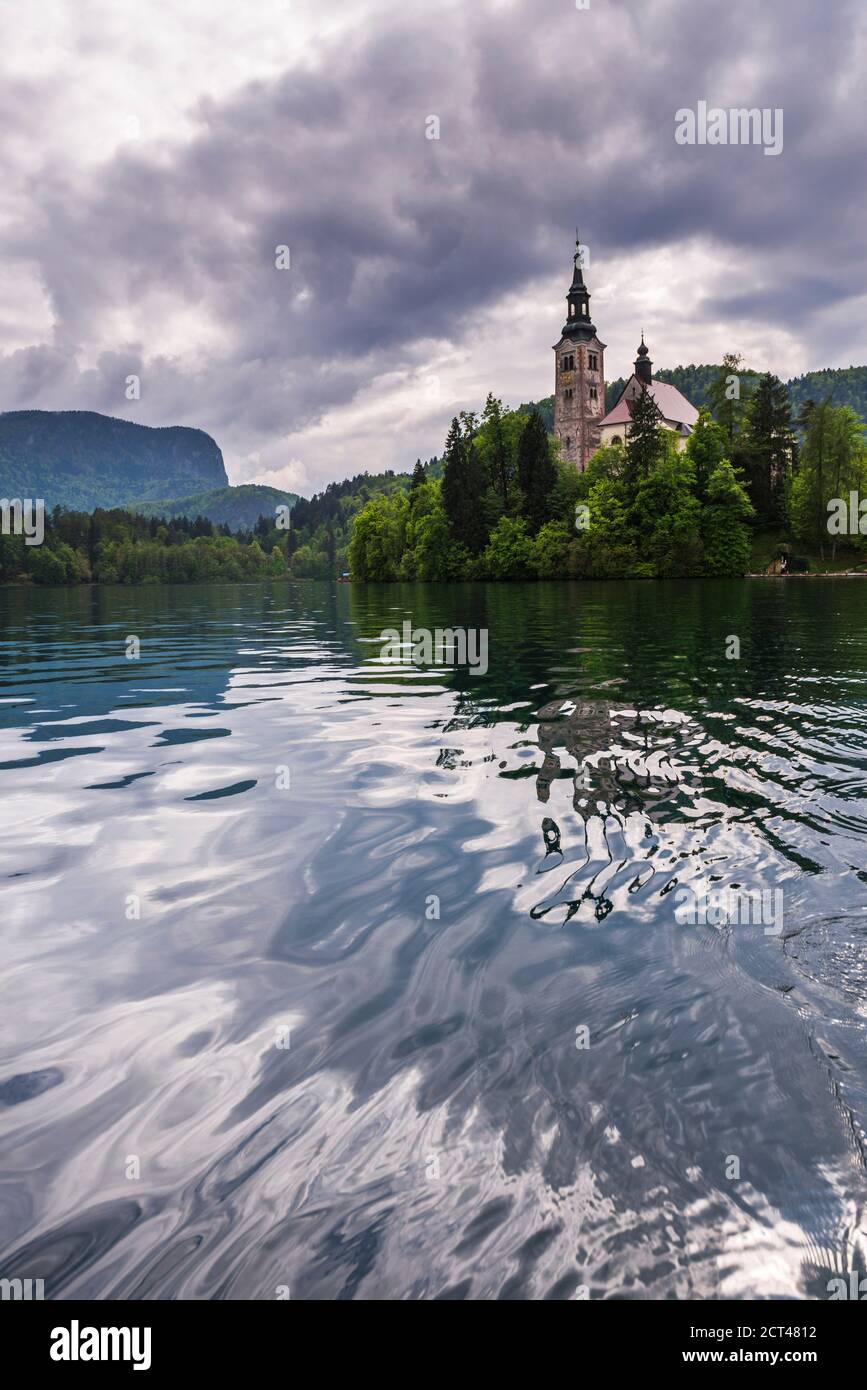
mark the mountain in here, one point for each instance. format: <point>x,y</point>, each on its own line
<point>79,459</point>
<point>239,508</point>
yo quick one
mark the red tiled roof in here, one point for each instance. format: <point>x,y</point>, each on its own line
<point>672,403</point>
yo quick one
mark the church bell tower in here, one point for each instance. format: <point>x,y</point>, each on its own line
<point>579,374</point>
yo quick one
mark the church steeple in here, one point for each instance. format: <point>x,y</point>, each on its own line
<point>579,374</point>
<point>643,364</point>
<point>578,324</point>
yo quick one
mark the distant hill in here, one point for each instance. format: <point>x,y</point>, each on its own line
<point>239,508</point>
<point>845,385</point>
<point>82,460</point>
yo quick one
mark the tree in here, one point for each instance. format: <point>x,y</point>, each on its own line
<point>644,446</point>
<point>378,538</point>
<point>463,489</point>
<point>510,553</point>
<point>727,400</point>
<point>726,523</point>
<point>432,553</point>
<point>666,516</point>
<point>832,463</point>
<point>418,478</point>
<point>537,472</point>
<point>705,449</point>
<point>496,449</point>
<point>769,447</point>
<point>551,548</point>
<point>46,567</point>
<point>607,548</point>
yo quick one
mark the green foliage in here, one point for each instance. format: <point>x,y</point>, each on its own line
<point>551,547</point>
<point>768,448</point>
<point>665,515</point>
<point>77,458</point>
<point>378,538</point>
<point>463,486</point>
<point>537,472</point>
<point>607,549</point>
<point>729,394</point>
<point>726,523</point>
<point>648,508</point>
<point>239,507</point>
<point>832,463</point>
<point>493,447</point>
<point>645,445</point>
<point>705,449</point>
<point>122,547</point>
<point>510,553</point>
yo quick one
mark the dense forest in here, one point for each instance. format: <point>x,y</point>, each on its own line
<point>756,477</point>
<point>81,459</point>
<point>122,547</point>
<point>506,506</point>
<point>237,507</point>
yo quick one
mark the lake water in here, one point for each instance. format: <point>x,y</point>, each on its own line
<point>337,979</point>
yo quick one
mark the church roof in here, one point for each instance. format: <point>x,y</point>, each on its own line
<point>673,405</point>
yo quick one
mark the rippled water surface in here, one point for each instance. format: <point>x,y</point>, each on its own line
<point>300,950</point>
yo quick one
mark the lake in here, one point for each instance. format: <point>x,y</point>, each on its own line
<point>325,977</point>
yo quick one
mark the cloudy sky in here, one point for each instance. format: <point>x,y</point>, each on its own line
<point>156,154</point>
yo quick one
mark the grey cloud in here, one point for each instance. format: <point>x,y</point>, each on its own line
<point>548,114</point>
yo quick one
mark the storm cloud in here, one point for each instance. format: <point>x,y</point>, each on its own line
<point>141,215</point>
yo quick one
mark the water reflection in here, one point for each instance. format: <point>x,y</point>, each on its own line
<point>457,875</point>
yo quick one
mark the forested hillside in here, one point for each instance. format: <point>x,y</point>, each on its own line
<point>845,386</point>
<point>239,507</point>
<point>77,458</point>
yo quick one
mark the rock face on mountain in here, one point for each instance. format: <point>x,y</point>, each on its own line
<point>79,459</point>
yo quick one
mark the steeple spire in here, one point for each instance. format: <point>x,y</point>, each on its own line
<point>578,324</point>
<point>643,364</point>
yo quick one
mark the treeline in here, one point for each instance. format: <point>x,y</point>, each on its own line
<point>121,547</point>
<point>794,464</point>
<point>508,508</point>
<point>320,527</point>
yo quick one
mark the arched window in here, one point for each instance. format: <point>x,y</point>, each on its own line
<point>568,441</point>
<point>615,439</point>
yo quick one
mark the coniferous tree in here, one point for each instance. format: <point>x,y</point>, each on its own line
<point>769,447</point>
<point>499,461</point>
<point>832,465</point>
<point>463,488</point>
<point>418,477</point>
<point>725,527</point>
<point>727,398</point>
<point>645,445</point>
<point>537,472</point>
<point>705,449</point>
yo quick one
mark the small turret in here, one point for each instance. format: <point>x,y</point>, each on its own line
<point>643,364</point>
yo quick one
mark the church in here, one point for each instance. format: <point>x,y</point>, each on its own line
<point>580,421</point>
